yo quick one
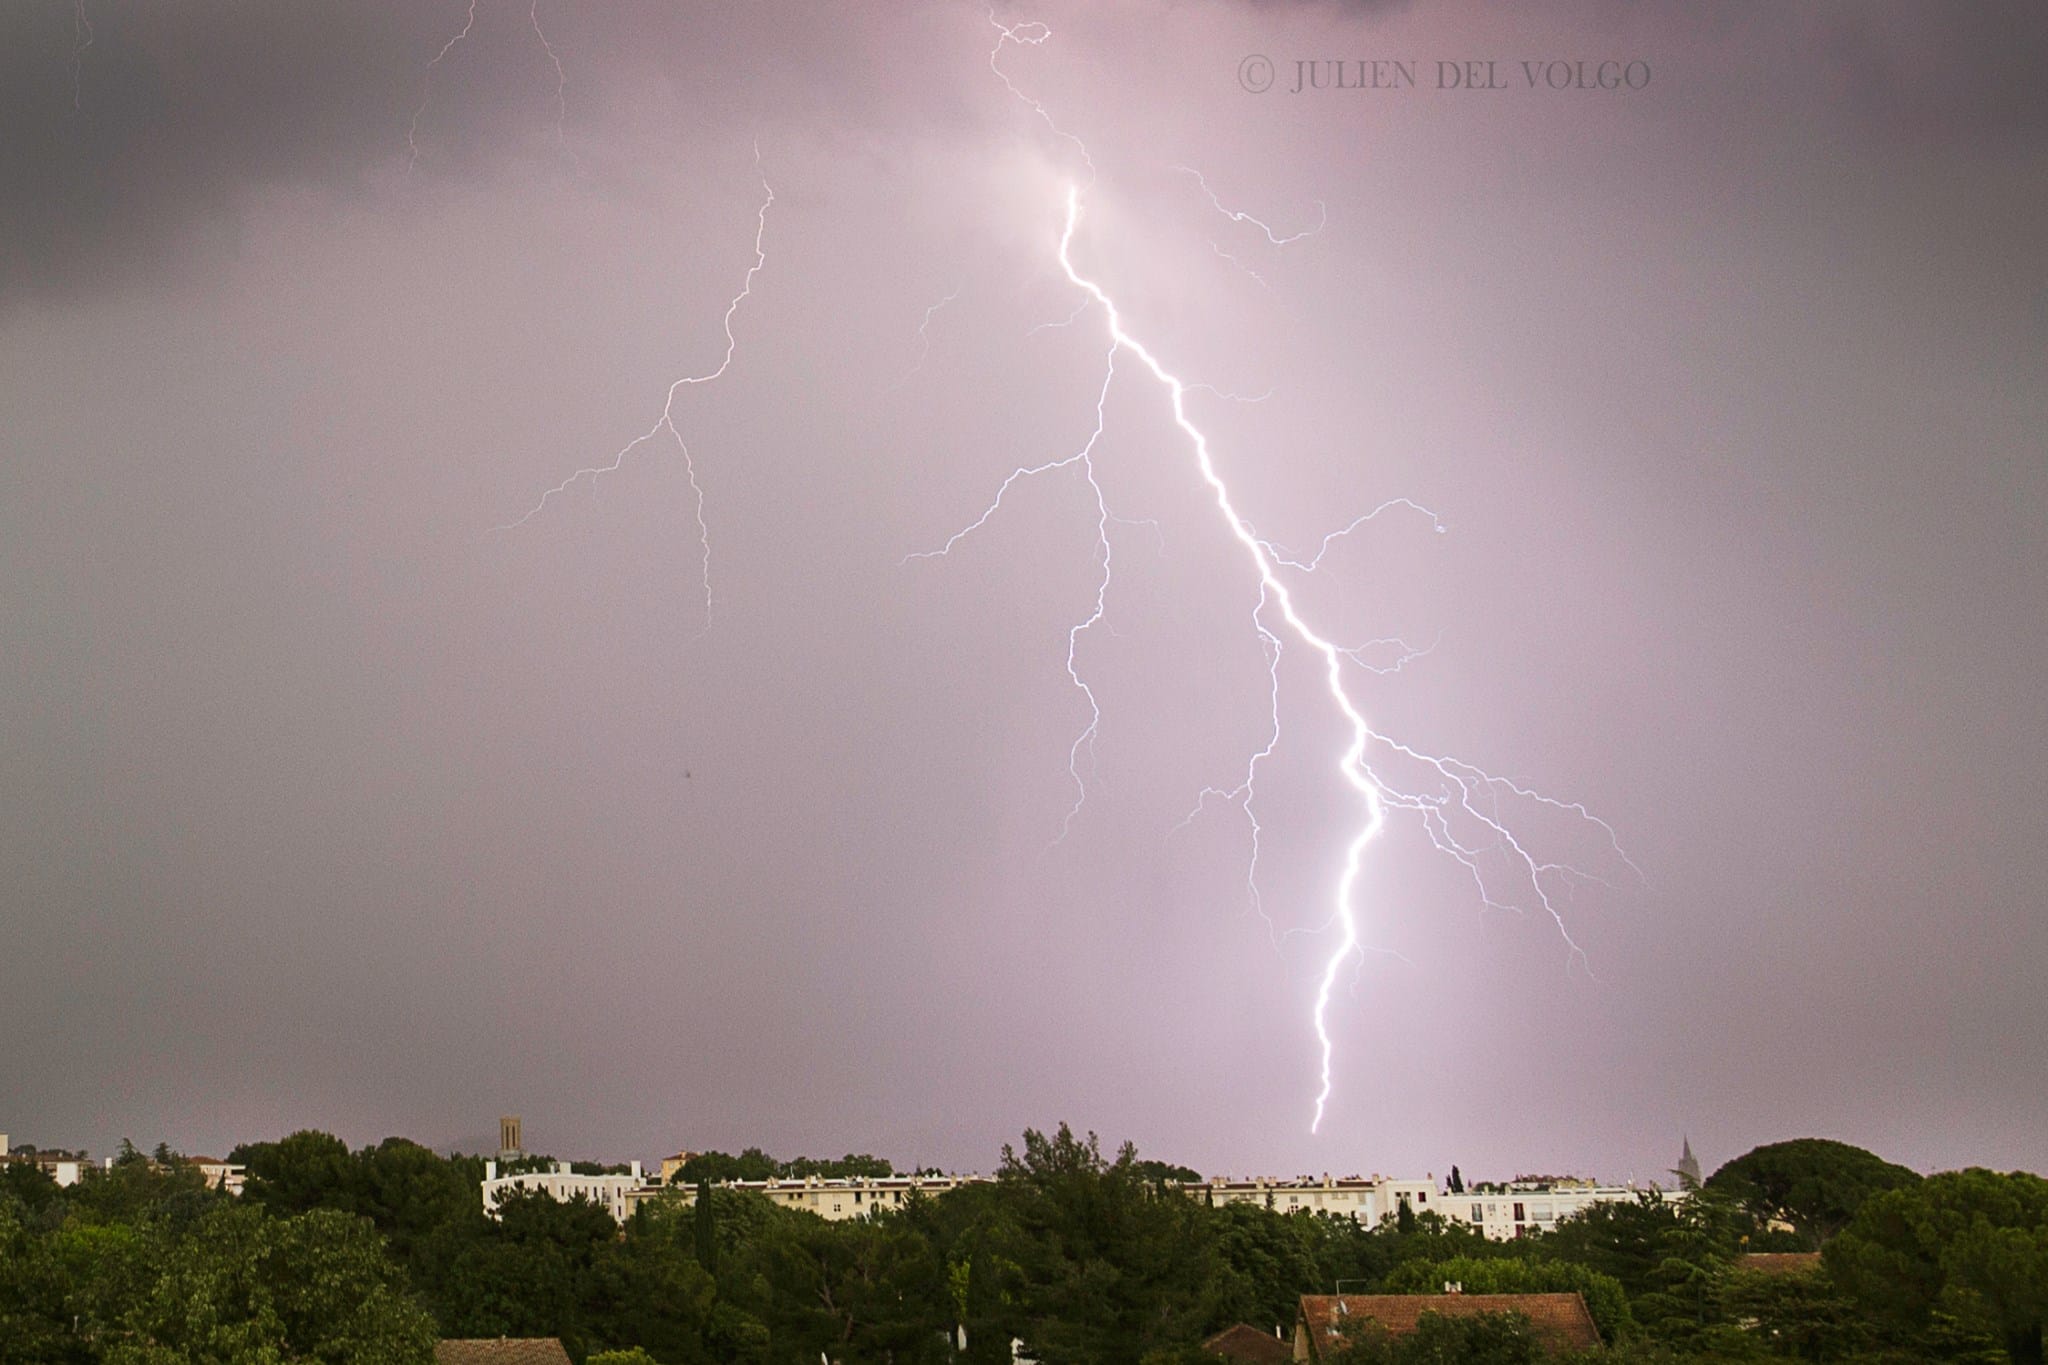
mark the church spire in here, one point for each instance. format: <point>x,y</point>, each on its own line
<point>1688,1165</point>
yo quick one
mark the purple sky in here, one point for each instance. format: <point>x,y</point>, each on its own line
<point>327,805</point>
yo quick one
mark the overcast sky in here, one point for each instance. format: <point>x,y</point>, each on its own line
<point>325,804</point>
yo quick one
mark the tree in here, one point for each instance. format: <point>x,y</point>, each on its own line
<point>30,1184</point>
<point>704,1217</point>
<point>720,1167</point>
<point>1108,1267</point>
<point>869,1289</point>
<point>1814,1184</point>
<point>35,1293</point>
<point>1798,1313</point>
<point>1971,1245</point>
<point>1618,1238</point>
<point>308,1170</point>
<point>1267,1260</point>
<point>241,1286</point>
<point>1166,1173</point>
<point>1693,1255</point>
<point>407,1191</point>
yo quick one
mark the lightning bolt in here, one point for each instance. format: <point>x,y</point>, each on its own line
<point>81,39</point>
<point>924,339</point>
<point>1273,592</point>
<point>1084,461</point>
<point>561,82</point>
<point>1322,214</point>
<point>1032,35</point>
<point>1457,805</point>
<point>427,90</point>
<point>666,422</point>
<point>412,130</point>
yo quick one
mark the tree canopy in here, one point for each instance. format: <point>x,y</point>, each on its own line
<point>1815,1184</point>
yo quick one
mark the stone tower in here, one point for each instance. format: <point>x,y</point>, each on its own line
<point>509,1146</point>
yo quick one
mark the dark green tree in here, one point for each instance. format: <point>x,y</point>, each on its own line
<point>308,1170</point>
<point>1110,1267</point>
<point>1969,1246</point>
<point>704,1217</point>
<point>240,1286</point>
<point>1620,1239</point>
<point>1801,1314</point>
<point>1814,1184</point>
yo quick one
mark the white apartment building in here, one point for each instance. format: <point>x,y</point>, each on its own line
<point>613,1193</point>
<point>833,1200</point>
<point>1520,1208</point>
<point>1367,1199</point>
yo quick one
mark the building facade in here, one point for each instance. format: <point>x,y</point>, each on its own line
<point>1367,1199</point>
<point>833,1200</point>
<point>613,1193</point>
<point>1522,1208</point>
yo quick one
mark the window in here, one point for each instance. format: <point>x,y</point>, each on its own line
<point>1422,1197</point>
<point>1519,1215</point>
<point>1477,1215</point>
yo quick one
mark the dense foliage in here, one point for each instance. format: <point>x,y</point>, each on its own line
<point>1812,1185</point>
<point>368,1255</point>
<point>755,1164</point>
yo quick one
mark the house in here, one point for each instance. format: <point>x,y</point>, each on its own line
<point>1249,1345</point>
<point>501,1351</point>
<point>1561,1322</point>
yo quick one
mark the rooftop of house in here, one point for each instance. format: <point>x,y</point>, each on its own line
<point>1245,1342</point>
<point>1560,1321</point>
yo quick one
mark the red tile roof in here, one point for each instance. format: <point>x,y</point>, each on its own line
<point>1560,1321</point>
<point>501,1351</point>
<point>1247,1343</point>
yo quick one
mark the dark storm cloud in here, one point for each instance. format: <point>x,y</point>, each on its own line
<point>1890,72</point>
<point>175,111</point>
<point>137,140</point>
<point>138,137</point>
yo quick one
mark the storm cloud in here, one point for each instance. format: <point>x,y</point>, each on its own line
<point>330,803</point>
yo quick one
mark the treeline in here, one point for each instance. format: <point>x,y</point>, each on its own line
<point>334,1255</point>
<point>755,1164</point>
